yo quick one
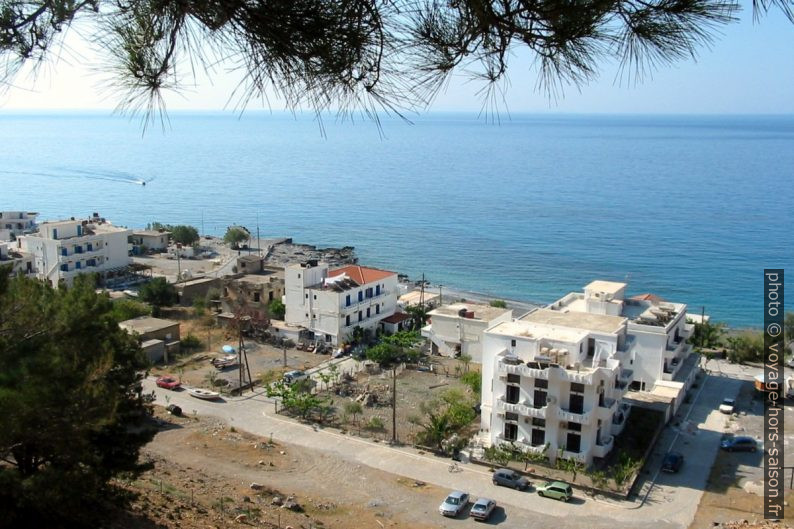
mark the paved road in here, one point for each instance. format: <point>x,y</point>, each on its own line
<point>671,501</point>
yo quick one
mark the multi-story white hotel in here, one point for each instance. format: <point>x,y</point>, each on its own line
<point>555,378</point>
<point>331,303</point>
<point>14,223</point>
<point>20,262</point>
<point>61,250</point>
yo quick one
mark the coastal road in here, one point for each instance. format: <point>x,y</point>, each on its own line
<point>671,502</point>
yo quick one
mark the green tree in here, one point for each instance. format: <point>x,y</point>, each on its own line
<point>73,410</point>
<point>185,235</point>
<point>353,408</point>
<point>235,235</point>
<point>372,55</point>
<point>746,347</point>
<point>158,293</point>
<point>707,335</point>
<point>389,355</point>
<point>127,309</point>
<point>418,316</point>
<point>498,303</point>
<point>276,309</point>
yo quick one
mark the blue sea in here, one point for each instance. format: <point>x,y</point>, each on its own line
<point>691,208</point>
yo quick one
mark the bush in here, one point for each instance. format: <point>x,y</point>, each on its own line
<point>276,309</point>
<point>191,343</point>
<point>473,379</point>
<point>498,303</point>
<point>235,235</point>
<point>375,423</point>
<point>127,309</point>
<point>159,293</point>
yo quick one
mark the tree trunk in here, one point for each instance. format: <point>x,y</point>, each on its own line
<point>394,404</point>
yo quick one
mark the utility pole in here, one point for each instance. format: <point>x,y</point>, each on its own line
<point>440,297</point>
<point>702,324</point>
<point>258,243</point>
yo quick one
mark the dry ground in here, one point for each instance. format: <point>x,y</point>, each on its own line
<point>203,471</point>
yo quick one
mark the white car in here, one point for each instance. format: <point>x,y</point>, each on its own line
<point>727,406</point>
<point>454,504</point>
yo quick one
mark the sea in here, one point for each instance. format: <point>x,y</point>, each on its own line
<point>526,207</point>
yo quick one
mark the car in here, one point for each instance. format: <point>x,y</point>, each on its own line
<point>168,382</point>
<point>672,462</point>
<point>454,504</point>
<point>558,490</point>
<point>509,478</point>
<point>739,444</point>
<point>727,406</point>
<point>291,377</point>
<point>482,509</point>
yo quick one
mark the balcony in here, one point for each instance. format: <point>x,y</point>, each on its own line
<point>607,408</point>
<point>581,418</point>
<point>522,370</point>
<point>576,456</point>
<point>602,448</point>
<point>521,409</point>
<point>619,419</point>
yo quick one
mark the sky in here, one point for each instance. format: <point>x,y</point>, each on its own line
<point>748,70</point>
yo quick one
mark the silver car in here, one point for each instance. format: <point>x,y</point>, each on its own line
<point>454,504</point>
<point>482,509</point>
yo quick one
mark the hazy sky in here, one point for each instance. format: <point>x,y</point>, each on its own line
<point>750,69</point>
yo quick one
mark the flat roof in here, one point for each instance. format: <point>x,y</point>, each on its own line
<point>150,233</point>
<point>413,297</point>
<point>146,324</point>
<point>197,281</point>
<point>481,312</point>
<point>610,287</point>
<point>259,279</point>
<point>577,320</point>
<point>535,331</point>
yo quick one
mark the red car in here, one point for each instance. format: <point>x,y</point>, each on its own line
<point>168,382</point>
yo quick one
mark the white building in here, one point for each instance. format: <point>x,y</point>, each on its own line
<point>61,250</point>
<point>657,329</point>
<point>13,223</point>
<point>149,241</point>
<point>557,377</point>
<point>331,303</point>
<point>20,262</point>
<point>458,328</point>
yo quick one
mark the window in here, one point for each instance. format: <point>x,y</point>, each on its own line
<point>327,337</point>
<point>540,423</point>
<point>511,432</point>
<point>306,296</point>
<point>360,315</point>
<point>270,296</point>
<point>513,379</point>
<point>541,383</point>
<point>576,403</point>
<point>360,296</point>
<point>369,293</point>
<point>225,292</point>
<point>512,343</point>
<point>78,265</point>
<point>512,394</point>
<point>539,398</point>
<point>574,442</point>
<point>377,291</point>
<point>538,437</point>
<point>574,427</point>
<point>511,416</point>
<point>256,297</point>
<point>577,388</point>
<point>347,320</point>
<point>299,276</point>
<point>368,314</point>
<point>64,268</point>
<point>377,309</point>
<point>347,300</point>
<point>315,296</point>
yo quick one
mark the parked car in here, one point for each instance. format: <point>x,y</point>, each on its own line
<point>672,462</point>
<point>727,406</point>
<point>482,509</point>
<point>739,444</point>
<point>168,382</point>
<point>293,376</point>
<point>558,490</point>
<point>454,504</point>
<point>509,478</point>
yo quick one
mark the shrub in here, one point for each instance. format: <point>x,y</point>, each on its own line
<point>190,343</point>
<point>473,379</point>
<point>375,423</point>
<point>498,303</point>
<point>127,309</point>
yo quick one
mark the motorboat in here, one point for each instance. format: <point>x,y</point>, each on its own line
<point>203,394</point>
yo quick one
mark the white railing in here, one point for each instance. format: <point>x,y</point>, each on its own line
<point>520,409</point>
<point>576,456</point>
<point>601,450</point>
<point>522,370</point>
<point>581,418</point>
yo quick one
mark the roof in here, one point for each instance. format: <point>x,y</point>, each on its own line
<point>578,320</point>
<point>397,317</point>
<point>361,274</point>
<point>150,233</point>
<point>481,312</point>
<point>647,297</point>
<point>610,287</point>
<point>534,331</point>
<point>197,281</point>
<point>412,298</point>
<point>145,324</point>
